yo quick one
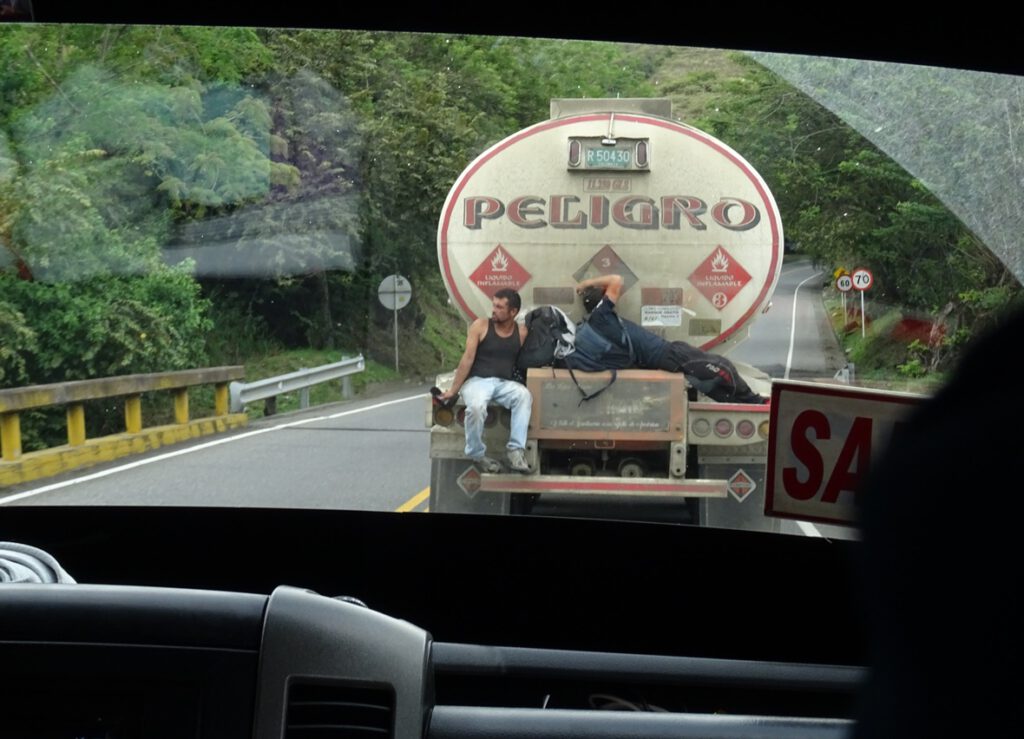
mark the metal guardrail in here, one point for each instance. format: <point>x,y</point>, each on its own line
<point>74,394</point>
<point>298,381</point>
<point>846,374</point>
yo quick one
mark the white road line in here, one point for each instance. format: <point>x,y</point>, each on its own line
<point>198,447</point>
<point>792,325</point>
<point>809,529</point>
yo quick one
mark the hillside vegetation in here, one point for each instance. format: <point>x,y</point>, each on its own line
<point>180,197</point>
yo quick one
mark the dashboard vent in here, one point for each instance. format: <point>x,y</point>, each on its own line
<point>339,712</point>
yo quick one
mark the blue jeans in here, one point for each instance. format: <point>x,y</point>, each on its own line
<point>476,393</point>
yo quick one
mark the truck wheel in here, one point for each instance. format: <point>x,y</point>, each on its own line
<point>581,467</point>
<point>632,467</point>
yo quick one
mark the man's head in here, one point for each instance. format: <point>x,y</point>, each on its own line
<point>591,297</point>
<point>505,305</point>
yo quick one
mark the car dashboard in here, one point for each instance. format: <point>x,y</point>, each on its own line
<point>200,645</point>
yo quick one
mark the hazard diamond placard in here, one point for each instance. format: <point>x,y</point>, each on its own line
<point>499,271</point>
<point>719,278</point>
<point>469,481</point>
<point>741,485</point>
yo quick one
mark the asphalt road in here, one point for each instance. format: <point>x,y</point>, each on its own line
<point>367,455</point>
<point>793,340</point>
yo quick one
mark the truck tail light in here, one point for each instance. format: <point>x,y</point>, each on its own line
<point>723,427</point>
<point>745,428</point>
<point>701,427</point>
<point>762,429</point>
<point>641,153</point>
<point>443,416</point>
<point>575,153</point>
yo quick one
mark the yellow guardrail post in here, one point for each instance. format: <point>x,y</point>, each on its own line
<point>181,405</point>
<point>76,424</point>
<point>10,436</point>
<point>220,399</point>
<point>17,467</point>
<point>133,414</point>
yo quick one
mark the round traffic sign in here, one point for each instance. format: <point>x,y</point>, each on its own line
<point>394,292</point>
<point>844,283</point>
<point>862,278</point>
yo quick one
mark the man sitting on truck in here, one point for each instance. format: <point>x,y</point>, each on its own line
<point>711,374</point>
<point>484,376</point>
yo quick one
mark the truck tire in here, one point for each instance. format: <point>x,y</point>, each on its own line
<point>632,467</point>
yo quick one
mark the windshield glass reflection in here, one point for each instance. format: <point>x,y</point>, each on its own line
<point>275,201</point>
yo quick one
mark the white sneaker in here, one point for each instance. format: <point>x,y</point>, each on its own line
<point>517,461</point>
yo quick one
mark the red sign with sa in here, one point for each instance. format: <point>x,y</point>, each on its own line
<point>822,441</point>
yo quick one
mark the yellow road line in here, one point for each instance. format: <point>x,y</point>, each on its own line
<point>414,501</point>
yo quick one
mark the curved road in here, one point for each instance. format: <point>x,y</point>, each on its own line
<point>794,338</point>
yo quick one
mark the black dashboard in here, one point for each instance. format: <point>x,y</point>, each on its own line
<point>183,623</point>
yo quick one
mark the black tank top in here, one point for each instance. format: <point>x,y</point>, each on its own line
<point>496,355</point>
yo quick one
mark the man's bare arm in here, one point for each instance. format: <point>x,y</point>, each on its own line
<point>612,285</point>
<point>475,334</point>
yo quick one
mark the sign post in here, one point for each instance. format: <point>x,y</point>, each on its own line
<point>394,293</point>
<point>844,283</point>
<point>862,280</point>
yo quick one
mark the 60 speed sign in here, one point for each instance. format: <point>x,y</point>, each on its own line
<point>844,283</point>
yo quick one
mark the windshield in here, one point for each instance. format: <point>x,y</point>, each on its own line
<point>273,243</point>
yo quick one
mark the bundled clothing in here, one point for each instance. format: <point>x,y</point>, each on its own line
<point>607,341</point>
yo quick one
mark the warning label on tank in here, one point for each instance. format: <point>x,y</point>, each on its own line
<point>499,271</point>
<point>719,278</point>
<point>661,315</point>
<point>607,262</point>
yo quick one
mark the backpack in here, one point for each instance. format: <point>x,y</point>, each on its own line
<point>551,338</point>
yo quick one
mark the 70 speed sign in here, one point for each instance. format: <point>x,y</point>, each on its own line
<point>862,279</point>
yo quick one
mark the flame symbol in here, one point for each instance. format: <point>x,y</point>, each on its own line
<point>499,262</point>
<point>720,263</point>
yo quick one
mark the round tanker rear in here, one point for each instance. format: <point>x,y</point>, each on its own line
<point>688,223</point>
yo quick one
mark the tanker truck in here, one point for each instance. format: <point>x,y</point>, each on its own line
<point>614,186</point>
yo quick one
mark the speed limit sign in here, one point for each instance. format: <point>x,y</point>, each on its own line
<point>844,283</point>
<point>862,279</point>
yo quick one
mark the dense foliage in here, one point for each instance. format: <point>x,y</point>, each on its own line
<point>171,197</point>
<point>848,205</point>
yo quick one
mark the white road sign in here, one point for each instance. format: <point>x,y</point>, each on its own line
<point>862,279</point>
<point>823,438</point>
<point>844,283</point>
<point>394,292</point>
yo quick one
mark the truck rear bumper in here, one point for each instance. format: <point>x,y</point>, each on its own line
<point>591,485</point>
